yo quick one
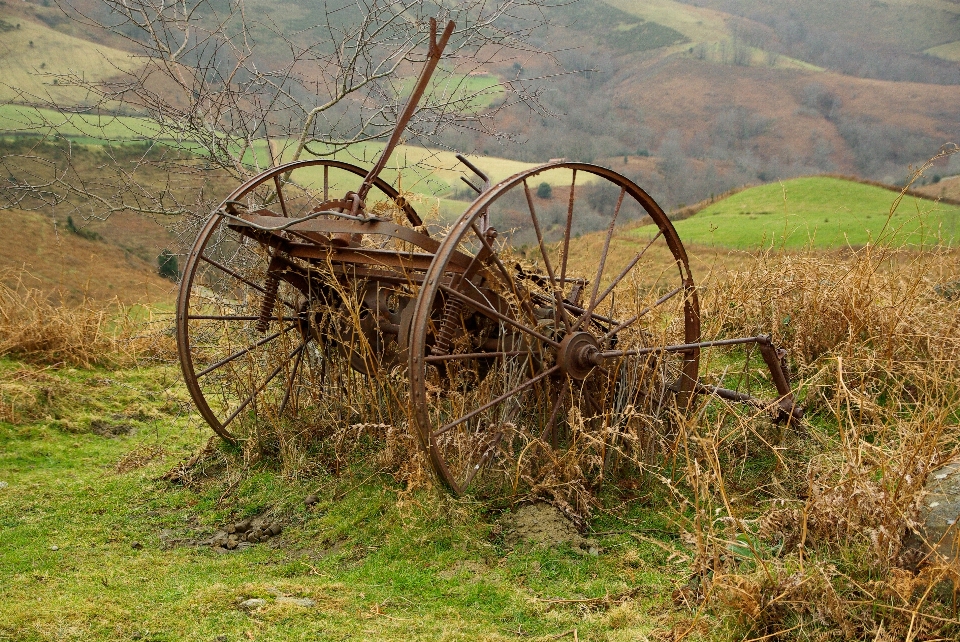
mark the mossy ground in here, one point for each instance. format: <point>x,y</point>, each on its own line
<point>97,546</point>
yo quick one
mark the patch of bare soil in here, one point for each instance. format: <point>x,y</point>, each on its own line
<point>543,524</point>
<point>107,428</point>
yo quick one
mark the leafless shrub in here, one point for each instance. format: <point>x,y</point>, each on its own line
<point>217,90</point>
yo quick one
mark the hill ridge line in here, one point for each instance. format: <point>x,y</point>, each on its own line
<point>696,208</point>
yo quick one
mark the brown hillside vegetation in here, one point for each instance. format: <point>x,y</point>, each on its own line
<point>946,188</point>
<point>689,95</point>
<point>62,263</point>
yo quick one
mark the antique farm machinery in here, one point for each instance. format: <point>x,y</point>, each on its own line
<point>316,267</point>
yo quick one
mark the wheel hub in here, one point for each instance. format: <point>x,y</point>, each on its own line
<point>579,354</point>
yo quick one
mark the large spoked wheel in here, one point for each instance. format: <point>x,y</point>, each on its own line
<point>551,340</point>
<point>263,332</point>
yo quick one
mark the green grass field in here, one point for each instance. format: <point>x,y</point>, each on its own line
<point>426,171</point>
<point>820,212</point>
<point>478,89</point>
<point>949,51</point>
<point>96,546</point>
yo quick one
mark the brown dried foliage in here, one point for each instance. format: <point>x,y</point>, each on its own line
<point>39,327</point>
<point>819,550</point>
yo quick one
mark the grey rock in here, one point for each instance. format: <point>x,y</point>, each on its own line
<point>310,500</point>
<point>54,548</point>
<point>941,512</point>
<point>252,604</point>
<point>304,602</point>
<point>136,546</point>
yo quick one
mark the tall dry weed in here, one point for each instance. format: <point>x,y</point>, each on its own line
<point>38,326</point>
<point>819,550</point>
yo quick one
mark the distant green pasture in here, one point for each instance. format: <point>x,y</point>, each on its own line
<point>421,170</point>
<point>105,129</point>
<point>819,212</point>
<point>479,90</point>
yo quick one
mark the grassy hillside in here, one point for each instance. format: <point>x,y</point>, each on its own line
<point>949,51</point>
<point>32,56</point>
<point>912,24</point>
<point>706,33</point>
<point>426,171</point>
<point>59,261</point>
<point>817,211</point>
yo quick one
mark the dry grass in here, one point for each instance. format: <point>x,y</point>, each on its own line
<point>37,328</point>
<point>806,538</point>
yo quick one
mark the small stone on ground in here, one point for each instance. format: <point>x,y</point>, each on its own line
<point>252,604</point>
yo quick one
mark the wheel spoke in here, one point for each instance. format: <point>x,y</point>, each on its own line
<point>473,355</point>
<point>566,231</point>
<point>510,282</point>
<point>490,312</point>
<point>240,353</point>
<point>283,203</point>
<point>666,297</point>
<point>593,315</point>
<point>226,317</point>
<point>557,294</point>
<point>606,246</point>
<point>609,289</point>
<point>243,279</point>
<point>263,385</point>
<point>498,400</point>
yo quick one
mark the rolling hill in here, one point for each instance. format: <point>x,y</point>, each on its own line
<point>71,267</point>
<point>37,61</point>
<point>822,212</point>
<point>687,98</point>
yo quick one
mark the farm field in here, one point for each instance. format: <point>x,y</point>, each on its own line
<point>949,51</point>
<point>820,212</point>
<point>426,171</point>
<point>703,27</point>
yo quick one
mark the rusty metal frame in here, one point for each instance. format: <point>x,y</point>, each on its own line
<point>451,282</point>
